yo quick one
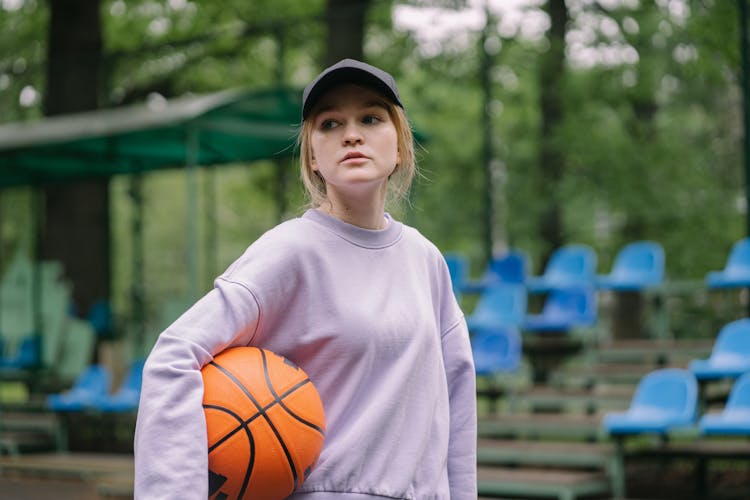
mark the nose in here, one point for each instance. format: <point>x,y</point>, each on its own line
<point>352,134</point>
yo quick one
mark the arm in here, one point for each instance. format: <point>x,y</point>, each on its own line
<point>462,446</point>
<point>171,456</point>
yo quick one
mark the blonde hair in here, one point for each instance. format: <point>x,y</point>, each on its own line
<point>400,180</point>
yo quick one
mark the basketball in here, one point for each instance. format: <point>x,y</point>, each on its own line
<point>265,424</point>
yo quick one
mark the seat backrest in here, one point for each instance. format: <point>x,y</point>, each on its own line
<point>458,267</point>
<point>739,396</point>
<point>502,304</point>
<point>668,391</point>
<point>26,355</point>
<point>134,377</point>
<point>509,267</point>
<point>496,350</point>
<point>641,261</point>
<point>738,261</point>
<point>95,378</point>
<point>733,341</point>
<point>571,304</point>
<point>28,352</point>
<point>576,262</point>
<point>100,317</point>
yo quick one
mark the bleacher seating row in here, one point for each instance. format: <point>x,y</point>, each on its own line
<point>665,400</point>
<point>92,391</point>
<point>570,283</point>
<point>637,266</point>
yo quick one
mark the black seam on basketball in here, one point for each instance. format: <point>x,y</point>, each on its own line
<point>244,426</point>
<point>250,464</point>
<point>238,383</point>
<point>280,400</point>
<point>300,419</point>
<point>289,459</point>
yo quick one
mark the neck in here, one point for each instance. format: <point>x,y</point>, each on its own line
<point>355,212</point>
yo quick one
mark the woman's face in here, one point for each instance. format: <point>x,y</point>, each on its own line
<point>354,141</point>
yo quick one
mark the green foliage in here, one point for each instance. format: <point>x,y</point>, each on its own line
<point>652,145</point>
<point>22,37</point>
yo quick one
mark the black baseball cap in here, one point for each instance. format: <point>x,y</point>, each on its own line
<point>349,71</point>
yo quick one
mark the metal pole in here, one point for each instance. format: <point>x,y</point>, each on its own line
<point>211,221</point>
<point>487,146</point>
<point>191,167</point>
<point>137,287</point>
<point>742,4</point>
<point>36,279</point>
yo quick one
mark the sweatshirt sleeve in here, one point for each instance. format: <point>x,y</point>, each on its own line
<point>171,456</point>
<point>462,451</point>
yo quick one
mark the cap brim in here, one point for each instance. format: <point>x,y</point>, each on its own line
<point>344,75</point>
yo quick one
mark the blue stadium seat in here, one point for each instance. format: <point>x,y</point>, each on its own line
<point>127,395</point>
<point>736,272</point>
<point>496,350</point>
<point>563,310</point>
<point>735,418</point>
<point>458,267</point>
<point>510,267</point>
<point>499,305</point>
<point>26,356</point>
<point>664,400</point>
<point>100,317</point>
<point>569,265</point>
<point>94,382</point>
<point>730,356</point>
<point>637,266</point>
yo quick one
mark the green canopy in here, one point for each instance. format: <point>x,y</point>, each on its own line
<point>225,127</point>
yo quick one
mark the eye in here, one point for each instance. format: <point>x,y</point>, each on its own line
<point>371,120</point>
<point>328,124</point>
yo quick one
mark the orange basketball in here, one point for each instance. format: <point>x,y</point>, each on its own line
<point>265,424</point>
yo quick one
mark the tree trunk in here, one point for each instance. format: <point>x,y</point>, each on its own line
<point>346,28</point>
<point>76,216</point>
<point>630,308</point>
<point>551,158</point>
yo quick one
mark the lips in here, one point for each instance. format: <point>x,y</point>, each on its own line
<point>354,155</point>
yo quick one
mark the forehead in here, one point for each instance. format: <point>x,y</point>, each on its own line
<point>349,95</point>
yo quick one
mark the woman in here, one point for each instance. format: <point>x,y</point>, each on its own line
<point>358,300</point>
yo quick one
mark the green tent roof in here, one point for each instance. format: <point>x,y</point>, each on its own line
<point>225,127</point>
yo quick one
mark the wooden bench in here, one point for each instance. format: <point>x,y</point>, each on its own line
<point>588,375</point>
<point>545,483</point>
<point>512,452</point>
<point>584,427</point>
<point>658,352</point>
<point>25,431</point>
<point>84,466</point>
<point>542,398</point>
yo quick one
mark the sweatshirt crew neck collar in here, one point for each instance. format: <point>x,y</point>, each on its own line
<point>367,238</point>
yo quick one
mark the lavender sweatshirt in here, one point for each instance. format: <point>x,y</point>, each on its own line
<point>370,316</point>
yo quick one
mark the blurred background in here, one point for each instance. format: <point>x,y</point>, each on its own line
<point>540,124</point>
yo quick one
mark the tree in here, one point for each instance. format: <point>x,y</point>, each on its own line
<point>551,104</point>
<point>76,216</point>
<point>345,20</point>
